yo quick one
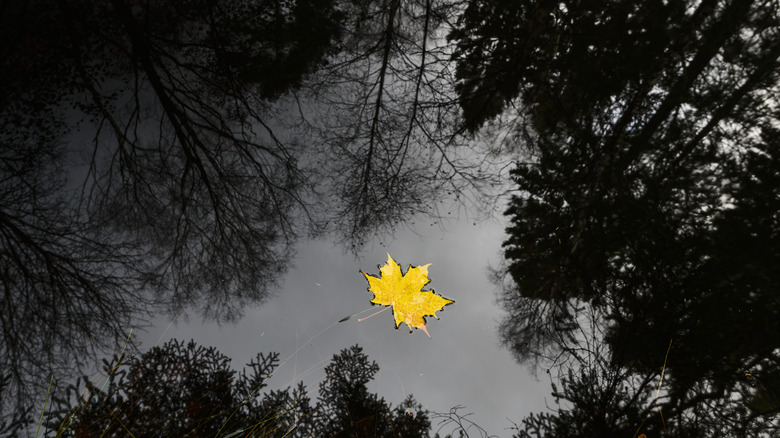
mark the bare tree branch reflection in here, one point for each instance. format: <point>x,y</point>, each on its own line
<point>394,146</point>
<point>184,197</point>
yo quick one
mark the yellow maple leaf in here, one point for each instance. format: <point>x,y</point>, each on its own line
<point>404,293</point>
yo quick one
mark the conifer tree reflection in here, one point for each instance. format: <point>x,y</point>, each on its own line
<point>653,197</point>
<point>187,390</point>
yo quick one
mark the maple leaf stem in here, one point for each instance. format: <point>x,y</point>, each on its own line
<point>375,313</point>
<point>346,318</point>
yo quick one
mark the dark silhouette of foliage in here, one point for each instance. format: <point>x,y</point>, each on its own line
<point>350,410</point>
<point>652,197</point>
<point>614,402</point>
<point>186,390</point>
<point>595,396</point>
<point>172,390</point>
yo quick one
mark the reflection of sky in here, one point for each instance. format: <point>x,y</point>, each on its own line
<point>462,364</point>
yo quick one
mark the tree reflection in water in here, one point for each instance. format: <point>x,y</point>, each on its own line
<point>649,212</point>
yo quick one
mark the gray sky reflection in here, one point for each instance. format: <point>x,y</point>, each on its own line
<point>462,364</point>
